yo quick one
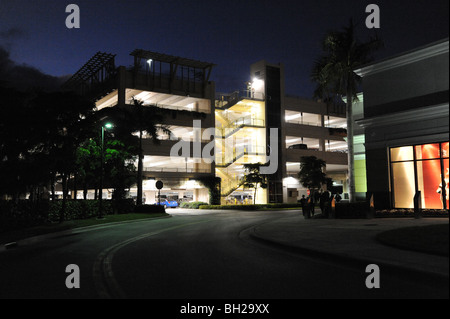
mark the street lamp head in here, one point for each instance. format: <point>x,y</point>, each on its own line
<point>108,125</point>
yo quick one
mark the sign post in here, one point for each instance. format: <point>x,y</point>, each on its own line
<point>159,185</point>
<point>417,205</point>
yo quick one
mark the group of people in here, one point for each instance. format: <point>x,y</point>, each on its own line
<point>323,198</point>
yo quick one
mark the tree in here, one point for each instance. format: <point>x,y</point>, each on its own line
<point>14,135</point>
<point>61,122</point>
<point>145,120</point>
<point>212,183</point>
<point>148,120</point>
<point>334,75</point>
<point>311,173</point>
<point>40,133</point>
<point>119,167</point>
<point>88,164</point>
<point>253,178</point>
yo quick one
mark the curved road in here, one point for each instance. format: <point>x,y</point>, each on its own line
<point>187,256</point>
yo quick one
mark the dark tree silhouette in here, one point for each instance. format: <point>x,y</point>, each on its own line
<point>334,74</point>
<point>253,178</point>
<point>145,120</point>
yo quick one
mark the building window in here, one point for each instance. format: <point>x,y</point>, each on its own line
<point>403,184</point>
<point>423,168</point>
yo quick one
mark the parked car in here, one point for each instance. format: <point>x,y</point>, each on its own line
<point>168,203</point>
<point>299,146</point>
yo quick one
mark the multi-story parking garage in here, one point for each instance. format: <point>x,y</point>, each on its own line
<point>177,84</point>
<point>254,125</point>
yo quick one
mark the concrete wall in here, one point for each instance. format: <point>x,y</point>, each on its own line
<point>418,83</point>
<point>405,103</point>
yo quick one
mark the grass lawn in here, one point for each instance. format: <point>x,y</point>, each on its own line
<point>15,235</point>
<point>432,239</point>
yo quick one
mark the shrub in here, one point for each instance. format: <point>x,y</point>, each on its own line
<point>184,205</point>
<point>79,209</point>
<point>251,207</point>
<point>352,210</point>
<point>409,212</point>
<point>192,205</point>
<point>238,207</point>
<point>149,209</point>
<point>123,206</point>
<point>24,213</point>
<point>283,205</point>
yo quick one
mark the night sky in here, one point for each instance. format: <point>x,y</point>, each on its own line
<point>232,34</point>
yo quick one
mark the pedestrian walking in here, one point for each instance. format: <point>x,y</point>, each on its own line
<point>324,201</point>
<point>304,204</point>
<point>312,204</point>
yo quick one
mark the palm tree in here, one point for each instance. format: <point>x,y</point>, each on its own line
<point>334,75</point>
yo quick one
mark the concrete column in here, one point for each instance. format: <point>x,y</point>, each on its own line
<point>322,141</point>
<point>151,197</point>
<point>322,145</point>
<point>195,195</point>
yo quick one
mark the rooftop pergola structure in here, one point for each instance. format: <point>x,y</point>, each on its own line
<point>173,66</point>
<point>93,75</point>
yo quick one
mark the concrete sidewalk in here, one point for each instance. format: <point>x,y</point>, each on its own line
<point>351,240</point>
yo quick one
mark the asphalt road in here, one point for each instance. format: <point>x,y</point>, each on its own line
<point>187,256</point>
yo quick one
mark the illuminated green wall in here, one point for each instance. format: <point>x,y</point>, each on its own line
<point>360,176</point>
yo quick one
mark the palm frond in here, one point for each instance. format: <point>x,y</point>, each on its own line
<point>342,53</point>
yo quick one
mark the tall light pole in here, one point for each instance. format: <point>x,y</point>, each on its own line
<point>100,195</point>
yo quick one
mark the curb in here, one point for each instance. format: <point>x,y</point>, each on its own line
<point>352,261</point>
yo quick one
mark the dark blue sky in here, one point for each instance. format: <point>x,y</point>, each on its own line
<point>232,34</point>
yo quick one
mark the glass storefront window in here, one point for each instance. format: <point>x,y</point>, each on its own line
<point>423,168</point>
<point>446,182</point>
<point>427,151</point>
<point>404,153</point>
<point>429,181</point>
<point>404,185</point>
<point>444,147</point>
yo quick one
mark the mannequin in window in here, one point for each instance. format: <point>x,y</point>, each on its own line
<point>446,188</point>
